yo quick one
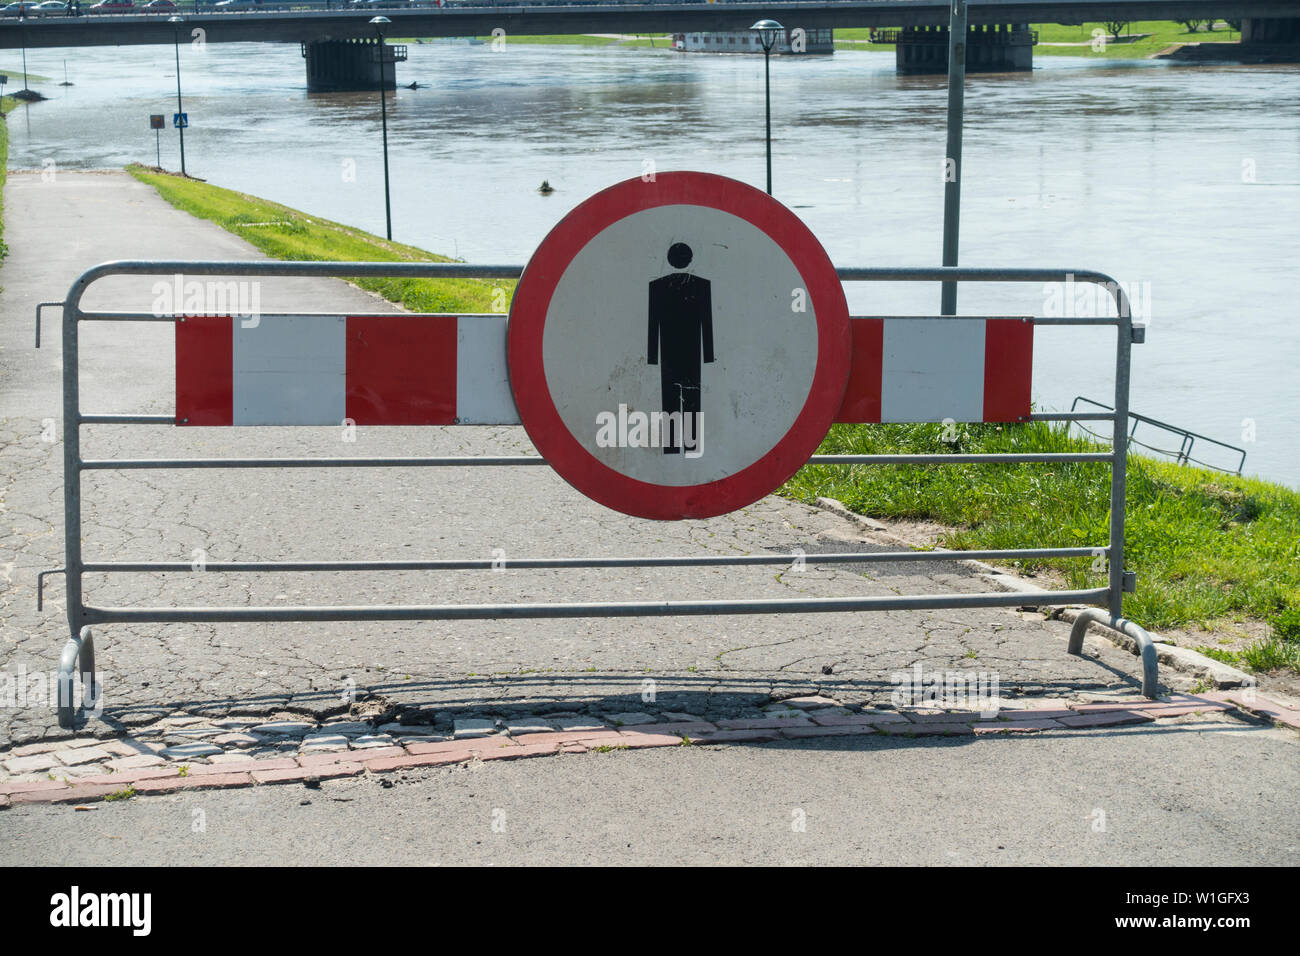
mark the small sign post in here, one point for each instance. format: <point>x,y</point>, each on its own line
<point>156,123</point>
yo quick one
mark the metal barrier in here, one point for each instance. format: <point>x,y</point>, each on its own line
<point>1186,439</point>
<point>79,651</point>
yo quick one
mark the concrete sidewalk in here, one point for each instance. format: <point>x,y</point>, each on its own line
<point>169,686</point>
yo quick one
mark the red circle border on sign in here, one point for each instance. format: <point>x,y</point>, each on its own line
<point>527,323</point>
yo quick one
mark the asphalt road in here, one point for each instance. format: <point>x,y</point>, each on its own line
<point>1174,792</point>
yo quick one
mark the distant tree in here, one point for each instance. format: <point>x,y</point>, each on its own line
<point>1113,27</point>
<point>1233,25</point>
<point>1192,25</point>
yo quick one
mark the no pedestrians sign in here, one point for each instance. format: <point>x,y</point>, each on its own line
<point>678,346</point>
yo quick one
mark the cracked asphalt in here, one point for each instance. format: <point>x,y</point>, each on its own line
<point>709,666</point>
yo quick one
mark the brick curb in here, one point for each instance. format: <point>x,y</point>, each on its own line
<point>310,768</point>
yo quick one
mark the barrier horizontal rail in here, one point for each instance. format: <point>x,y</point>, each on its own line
<point>675,561</point>
<point>479,612</point>
<point>79,652</point>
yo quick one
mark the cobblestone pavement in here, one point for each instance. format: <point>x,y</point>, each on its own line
<point>275,699</point>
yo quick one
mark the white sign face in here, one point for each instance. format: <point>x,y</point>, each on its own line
<point>731,349</point>
<point>678,347</point>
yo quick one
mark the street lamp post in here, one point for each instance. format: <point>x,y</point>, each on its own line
<point>768,31</point>
<point>379,23</point>
<point>180,109</point>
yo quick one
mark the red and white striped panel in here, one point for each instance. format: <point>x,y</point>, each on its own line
<point>447,370</point>
<point>928,370</point>
<point>322,369</point>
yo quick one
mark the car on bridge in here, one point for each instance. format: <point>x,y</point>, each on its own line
<point>159,6</point>
<point>238,5</point>
<point>113,6</point>
<point>20,8</point>
<point>50,8</point>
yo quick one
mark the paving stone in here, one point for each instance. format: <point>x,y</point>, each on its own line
<point>81,793</point>
<point>83,755</point>
<point>26,786</point>
<point>473,728</point>
<point>577,723</point>
<point>137,762</point>
<point>28,750</point>
<point>325,742</point>
<point>528,725</point>
<point>187,751</point>
<point>683,729</point>
<point>169,784</point>
<point>372,740</point>
<point>285,728</point>
<point>402,730</point>
<point>32,763</point>
<point>879,717</point>
<point>77,771</point>
<point>389,764</point>
<point>229,758</point>
<point>796,719</point>
<point>1015,726</point>
<point>303,774</point>
<point>1106,718</point>
<point>130,747</point>
<point>806,703</point>
<point>678,717</point>
<point>183,720</point>
<point>238,739</point>
<point>348,728</point>
<point>238,723</point>
<point>778,712</point>
<point>327,757</point>
<point>244,766</point>
<point>1046,713</point>
<point>842,720</point>
<point>630,719</point>
<point>423,739</point>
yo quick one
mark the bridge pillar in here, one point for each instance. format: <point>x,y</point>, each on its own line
<point>338,65</point>
<point>1256,30</point>
<point>990,48</point>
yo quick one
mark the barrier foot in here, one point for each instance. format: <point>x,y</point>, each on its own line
<point>1146,646</point>
<point>78,653</point>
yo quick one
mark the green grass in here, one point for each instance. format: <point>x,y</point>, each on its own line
<point>285,233</point>
<point>1162,34</point>
<point>1209,549</point>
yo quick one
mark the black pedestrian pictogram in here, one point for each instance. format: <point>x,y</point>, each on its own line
<point>681,335</point>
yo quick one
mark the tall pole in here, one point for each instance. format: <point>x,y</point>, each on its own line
<point>767,96</point>
<point>952,161</point>
<point>24,41</point>
<point>383,113</point>
<point>180,109</point>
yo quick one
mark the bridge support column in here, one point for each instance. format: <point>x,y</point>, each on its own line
<point>338,65</point>
<point>1270,30</point>
<point>990,48</point>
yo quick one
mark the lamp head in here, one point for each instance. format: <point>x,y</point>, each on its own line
<point>768,32</point>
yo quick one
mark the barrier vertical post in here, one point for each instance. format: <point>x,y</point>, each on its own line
<point>952,177</point>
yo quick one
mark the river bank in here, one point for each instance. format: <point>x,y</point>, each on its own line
<point>1216,555</point>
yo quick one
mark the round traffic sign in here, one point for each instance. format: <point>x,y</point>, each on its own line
<point>678,346</point>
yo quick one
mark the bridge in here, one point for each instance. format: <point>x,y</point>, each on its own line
<point>341,46</point>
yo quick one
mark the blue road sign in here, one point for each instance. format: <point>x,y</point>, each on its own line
<point>181,120</point>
